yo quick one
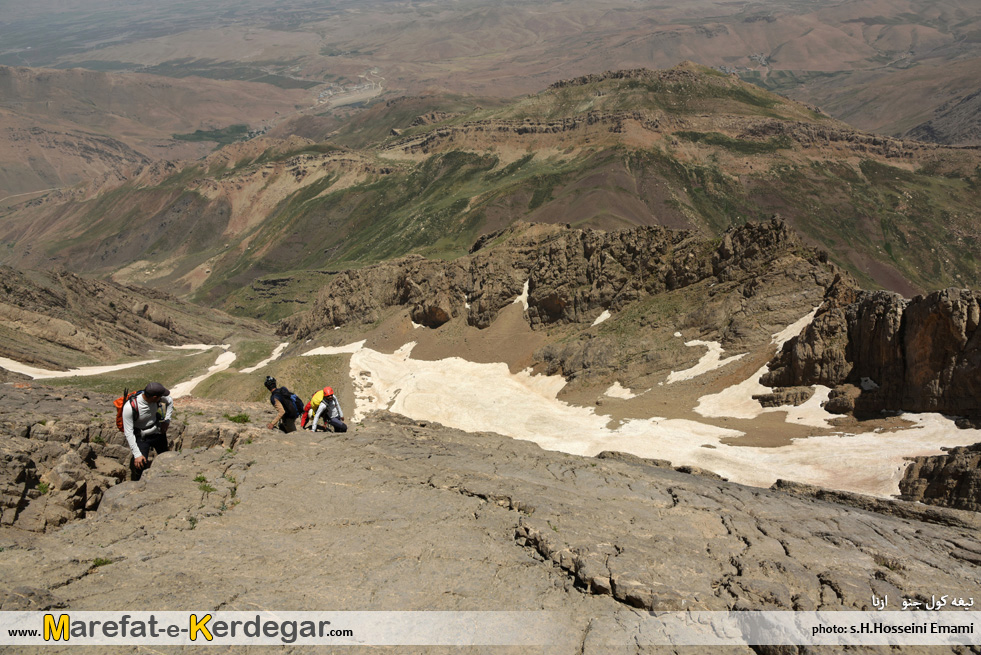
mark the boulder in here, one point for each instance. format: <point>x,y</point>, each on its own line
<point>787,396</point>
<point>950,480</point>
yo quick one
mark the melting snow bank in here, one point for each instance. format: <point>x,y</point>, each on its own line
<point>44,374</point>
<point>336,350</point>
<point>737,401</point>
<point>274,356</point>
<point>487,397</point>
<point>709,361</point>
<point>224,360</point>
<point>617,390</point>
<point>792,330</point>
<point>523,298</point>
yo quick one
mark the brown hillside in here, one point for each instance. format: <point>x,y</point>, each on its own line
<point>66,127</point>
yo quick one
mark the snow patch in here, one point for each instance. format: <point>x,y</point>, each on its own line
<point>618,391</point>
<point>523,298</point>
<point>45,374</point>
<point>274,356</point>
<point>224,360</point>
<point>336,350</point>
<point>710,361</point>
<point>602,317</point>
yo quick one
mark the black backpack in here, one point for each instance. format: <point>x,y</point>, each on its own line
<point>290,401</point>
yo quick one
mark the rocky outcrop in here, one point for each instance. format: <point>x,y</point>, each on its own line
<point>739,290</point>
<point>954,122</point>
<point>443,136</point>
<point>883,352</point>
<point>572,276</point>
<point>951,480</point>
<point>405,515</point>
<point>61,454</point>
<point>836,136</point>
<point>55,467</point>
<point>793,396</point>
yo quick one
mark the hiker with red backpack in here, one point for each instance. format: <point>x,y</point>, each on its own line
<point>145,420</point>
<point>288,406</point>
<point>326,403</point>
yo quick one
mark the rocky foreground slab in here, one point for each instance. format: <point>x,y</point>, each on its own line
<point>405,515</point>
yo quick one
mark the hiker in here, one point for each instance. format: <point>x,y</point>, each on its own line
<point>144,426</point>
<point>307,414</point>
<point>280,398</point>
<point>326,403</point>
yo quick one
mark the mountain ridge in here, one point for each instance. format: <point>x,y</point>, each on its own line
<point>437,186</point>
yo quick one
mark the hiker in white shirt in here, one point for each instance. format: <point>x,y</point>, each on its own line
<point>144,428</point>
<point>330,409</point>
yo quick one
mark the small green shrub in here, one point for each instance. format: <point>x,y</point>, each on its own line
<point>98,439</point>
<point>100,561</point>
<point>238,418</point>
<point>43,487</point>
<point>200,478</point>
<point>206,488</point>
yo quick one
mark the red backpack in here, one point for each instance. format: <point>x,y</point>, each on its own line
<point>121,402</point>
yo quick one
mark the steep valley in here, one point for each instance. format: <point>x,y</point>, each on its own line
<point>642,341</point>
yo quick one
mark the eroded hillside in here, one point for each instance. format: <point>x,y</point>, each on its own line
<point>64,128</point>
<point>61,320</point>
<point>684,148</point>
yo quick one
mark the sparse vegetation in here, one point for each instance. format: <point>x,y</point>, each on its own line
<point>100,561</point>
<point>238,418</point>
<point>887,562</point>
<point>222,136</point>
<point>739,146</point>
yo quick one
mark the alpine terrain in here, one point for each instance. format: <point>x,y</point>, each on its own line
<point>638,340</point>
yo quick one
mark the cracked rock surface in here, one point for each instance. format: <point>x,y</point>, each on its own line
<point>403,515</point>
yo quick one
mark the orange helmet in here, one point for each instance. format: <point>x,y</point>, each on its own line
<point>328,391</point>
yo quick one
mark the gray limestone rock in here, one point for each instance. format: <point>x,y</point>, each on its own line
<point>404,515</point>
<point>788,396</point>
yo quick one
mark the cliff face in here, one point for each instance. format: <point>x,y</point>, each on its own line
<point>653,280</point>
<point>883,352</point>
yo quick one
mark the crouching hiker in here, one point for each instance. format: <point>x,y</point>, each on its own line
<point>285,404</point>
<point>327,406</point>
<point>146,419</point>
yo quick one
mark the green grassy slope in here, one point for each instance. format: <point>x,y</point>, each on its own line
<point>687,147</point>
